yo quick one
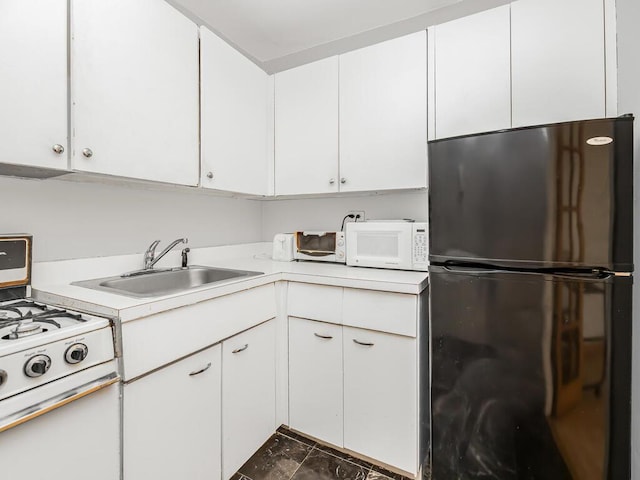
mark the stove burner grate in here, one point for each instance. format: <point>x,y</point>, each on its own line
<point>26,318</point>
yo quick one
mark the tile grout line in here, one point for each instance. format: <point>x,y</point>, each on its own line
<point>303,460</point>
<point>315,447</point>
<point>368,470</point>
<point>344,459</point>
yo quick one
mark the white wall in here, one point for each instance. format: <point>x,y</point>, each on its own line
<point>327,213</point>
<point>628,19</point>
<point>75,220</point>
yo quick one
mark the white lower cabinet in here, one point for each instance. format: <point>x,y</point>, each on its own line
<point>248,395</point>
<point>172,421</point>
<point>380,396</point>
<point>315,379</point>
<point>355,388</point>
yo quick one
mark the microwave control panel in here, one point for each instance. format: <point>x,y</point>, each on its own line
<point>420,244</point>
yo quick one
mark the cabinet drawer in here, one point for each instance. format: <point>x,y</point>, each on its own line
<point>316,302</point>
<point>180,332</point>
<point>382,311</point>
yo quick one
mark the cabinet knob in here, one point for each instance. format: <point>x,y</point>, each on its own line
<point>343,180</point>
<point>332,181</point>
<point>210,175</point>
<point>58,148</point>
<point>87,152</point>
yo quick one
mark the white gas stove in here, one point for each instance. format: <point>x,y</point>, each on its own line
<point>40,343</point>
<point>58,377</point>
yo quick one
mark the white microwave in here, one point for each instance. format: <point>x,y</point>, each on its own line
<point>400,245</point>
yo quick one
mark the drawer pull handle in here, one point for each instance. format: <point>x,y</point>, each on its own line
<point>364,344</point>
<point>202,370</point>
<point>241,349</point>
<point>326,337</point>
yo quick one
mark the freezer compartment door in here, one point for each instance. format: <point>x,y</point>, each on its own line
<point>538,196</point>
<point>525,367</point>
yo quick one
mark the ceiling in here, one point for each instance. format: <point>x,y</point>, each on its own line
<point>279,34</point>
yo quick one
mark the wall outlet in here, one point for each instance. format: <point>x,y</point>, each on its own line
<point>361,218</point>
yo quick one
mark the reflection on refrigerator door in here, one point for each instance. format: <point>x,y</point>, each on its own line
<point>519,383</point>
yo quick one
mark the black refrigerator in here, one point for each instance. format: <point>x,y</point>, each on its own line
<point>531,261</point>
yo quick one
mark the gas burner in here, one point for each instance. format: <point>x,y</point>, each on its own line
<point>25,318</point>
<point>25,329</point>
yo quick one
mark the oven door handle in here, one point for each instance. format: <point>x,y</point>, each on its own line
<point>53,403</point>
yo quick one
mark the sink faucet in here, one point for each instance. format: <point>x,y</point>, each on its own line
<point>150,258</point>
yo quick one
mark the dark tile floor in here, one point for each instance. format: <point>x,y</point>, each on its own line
<point>290,456</point>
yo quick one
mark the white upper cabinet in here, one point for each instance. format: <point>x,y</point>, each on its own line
<point>558,60</point>
<point>135,90</point>
<point>472,78</point>
<point>306,129</point>
<point>383,115</point>
<point>33,82</point>
<point>235,99</point>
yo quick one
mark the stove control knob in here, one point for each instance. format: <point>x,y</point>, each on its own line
<point>3,377</point>
<point>37,366</point>
<point>76,353</point>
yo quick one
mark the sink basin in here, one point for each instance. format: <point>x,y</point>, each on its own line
<point>165,282</point>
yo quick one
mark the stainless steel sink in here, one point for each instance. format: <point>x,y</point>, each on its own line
<point>164,282</point>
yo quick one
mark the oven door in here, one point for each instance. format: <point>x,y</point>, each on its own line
<point>67,428</point>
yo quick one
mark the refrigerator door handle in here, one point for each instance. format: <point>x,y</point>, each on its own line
<point>470,269</point>
<point>568,273</point>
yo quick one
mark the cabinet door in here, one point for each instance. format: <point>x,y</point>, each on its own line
<point>33,82</point>
<point>383,115</point>
<point>558,61</point>
<point>380,397</point>
<point>306,129</point>
<point>172,421</point>
<point>315,379</point>
<point>135,90</point>
<point>248,394</point>
<point>473,74</point>
<point>234,95</point>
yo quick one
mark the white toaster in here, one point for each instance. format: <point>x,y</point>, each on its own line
<point>283,247</point>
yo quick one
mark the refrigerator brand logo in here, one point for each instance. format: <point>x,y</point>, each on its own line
<point>3,253</point>
<point>600,140</point>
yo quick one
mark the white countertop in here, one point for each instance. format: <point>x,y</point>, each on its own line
<point>51,281</point>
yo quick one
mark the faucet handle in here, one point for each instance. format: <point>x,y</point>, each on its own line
<point>151,250</point>
<point>150,254</point>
